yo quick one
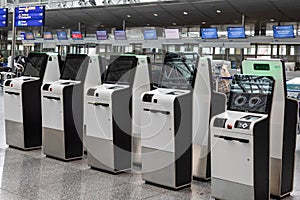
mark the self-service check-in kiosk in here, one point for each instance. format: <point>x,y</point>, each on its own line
<point>110,113</point>
<point>166,124</point>
<point>283,130</point>
<point>240,146</point>
<point>62,109</point>
<point>206,104</point>
<point>22,97</point>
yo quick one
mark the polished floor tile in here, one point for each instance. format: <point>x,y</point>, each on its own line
<point>30,175</point>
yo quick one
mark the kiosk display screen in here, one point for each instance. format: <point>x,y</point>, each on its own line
<point>72,66</point>
<point>176,72</point>
<point>251,94</point>
<point>120,70</point>
<point>29,36</point>
<point>48,36</point>
<point>101,35</point>
<point>120,35</point>
<point>76,35</point>
<point>150,35</point>
<point>209,33</point>
<point>283,31</point>
<point>34,64</point>
<point>236,32</point>
<point>61,35</point>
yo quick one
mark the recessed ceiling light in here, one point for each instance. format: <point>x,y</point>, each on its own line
<point>218,11</point>
<point>272,20</point>
<point>148,24</point>
<point>128,16</point>
<point>155,15</point>
<point>102,25</point>
<point>174,24</point>
<point>203,22</point>
<point>185,13</point>
<point>62,27</point>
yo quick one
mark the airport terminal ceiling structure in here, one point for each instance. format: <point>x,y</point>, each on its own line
<point>166,13</point>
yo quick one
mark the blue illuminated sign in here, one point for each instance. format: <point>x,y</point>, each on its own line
<point>3,17</point>
<point>283,31</point>
<point>236,32</point>
<point>30,16</point>
<point>209,33</point>
<point>150,35</point>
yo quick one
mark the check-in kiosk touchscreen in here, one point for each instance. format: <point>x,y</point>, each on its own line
<point>251,94</point>
<point>119,71</point>
<point>72,66</point>
<point>176,74</point>
<point>35,64</point>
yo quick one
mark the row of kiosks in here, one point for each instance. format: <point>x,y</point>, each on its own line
<point>113,113</point>
<point>22,98</point>
<point>63,106</point>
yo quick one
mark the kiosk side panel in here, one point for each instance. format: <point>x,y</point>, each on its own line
<point>289,145</point>
<point>32,114</point>
<point>261,159</point>
<point>183,139</point>
<point>73,121</point>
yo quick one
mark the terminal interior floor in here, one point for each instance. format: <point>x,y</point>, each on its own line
<point>30,175</point>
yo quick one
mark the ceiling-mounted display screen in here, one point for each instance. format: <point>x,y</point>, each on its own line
<point>120,35</point>
<point>283,31</point>
<point>150,34</point>
<point>61,35</point>
<point>236,32</point>
<point>48,35</point>
<point>3,17</point>
<point>172,34</point>
<point>29,36</point>
<point>209,33</point>
<point>101,35</point>
<point>76,35</point>
<point>251,94</point>
<point>30,16</point>
<point>22,35</point>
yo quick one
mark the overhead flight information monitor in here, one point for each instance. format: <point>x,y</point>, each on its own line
<point>76,35</point>
<point>120,35</point>
<point>236,32</point>
<point>209,33</point>
<point>29,16</point>
<point>3,17</point>
<point>172,34</point>
<point>61,35</point>
<point>48,36</point>
<point>101,35</point>
<point>150,35</point>
<point>283,31</point>
<point>29,36</point>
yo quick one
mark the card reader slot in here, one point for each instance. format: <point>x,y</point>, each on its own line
<point>52,98</point>
<point>232,138</point>
<point>12,93</point>
<point>157,111</point>
<point>99,104</point>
